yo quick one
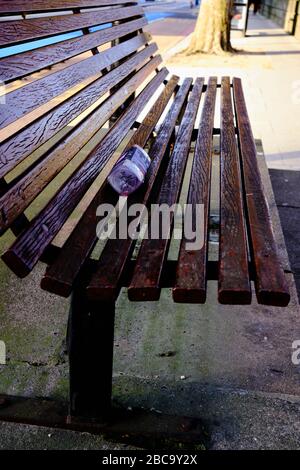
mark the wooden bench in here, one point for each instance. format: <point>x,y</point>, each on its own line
<point>67,74</point>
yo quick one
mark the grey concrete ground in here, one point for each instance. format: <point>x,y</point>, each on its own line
<point>230,366</point>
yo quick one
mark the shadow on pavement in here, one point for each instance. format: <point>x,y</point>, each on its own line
<point>265,52</point>
<point>286,190</point>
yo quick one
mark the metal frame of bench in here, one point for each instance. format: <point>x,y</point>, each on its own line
<point>42,129</point>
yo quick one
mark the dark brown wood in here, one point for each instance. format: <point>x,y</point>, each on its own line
<point>27,98</point>
<point>21,222</point>
<point>21,65</point>
<point>271,286</point>
<point>145,283</point>
<point>33,6</point>
<point>16,32</point>
<point>60,277</point>
<point>22,192</point>
<point>107,280</point>
<point>191,276</point>
<point>168,274</point>
<point>234,285</point>
<point>19,146</point>
<point>91,265</point>
<point>22,256</point>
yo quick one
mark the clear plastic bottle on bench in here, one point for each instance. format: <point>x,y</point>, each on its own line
<point>129,172</point>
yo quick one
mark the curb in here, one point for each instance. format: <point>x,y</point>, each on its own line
<point>180,46</point>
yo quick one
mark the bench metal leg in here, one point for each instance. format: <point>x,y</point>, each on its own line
<point>90,346</point>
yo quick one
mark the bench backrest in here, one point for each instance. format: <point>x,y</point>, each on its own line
<point>67,69</point>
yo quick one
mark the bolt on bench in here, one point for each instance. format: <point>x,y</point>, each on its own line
<point>69,69</point>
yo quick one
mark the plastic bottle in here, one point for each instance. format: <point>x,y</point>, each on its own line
<point>129,172</point>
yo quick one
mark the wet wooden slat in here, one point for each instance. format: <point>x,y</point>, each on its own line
<point>107,280</point>
<point>16,32</point>
<point>27,98</point>
<point>271,286</point>
<point>21,65</point>
<point>22,256</point>
<point>191,277</point>
<point>21,194</point>
<point>234,285</point>
<point>59,277</point>
<point>19,146</point>
<point>20,222</point>
<point>145,284</point>
<point>33,6</point>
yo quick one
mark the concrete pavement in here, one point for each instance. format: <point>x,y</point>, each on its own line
<point>270,68</point>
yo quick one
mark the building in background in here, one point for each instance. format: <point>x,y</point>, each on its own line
<point>285,13</point>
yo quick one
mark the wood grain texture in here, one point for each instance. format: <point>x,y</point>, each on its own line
<point>21,194</point>
<point>145,284</point>
<point>21,65</point>
<point>107,280</point>
<point>191,277</point>
<point>27,98</point>
<point>19,146</point>
<point>234,285</point>
<point>22,256</point>
<point>16,32</point>
<point>271,286</point>
<point>32,6</point>
<point>60,277</point>
<point>21,222</point>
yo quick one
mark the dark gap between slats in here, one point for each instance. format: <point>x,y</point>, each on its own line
<point>214,207</point>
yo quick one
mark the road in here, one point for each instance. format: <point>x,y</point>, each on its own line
<point>170,23</point>
<point>159,10</point>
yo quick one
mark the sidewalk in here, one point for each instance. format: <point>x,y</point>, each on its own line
<point>270,69</point>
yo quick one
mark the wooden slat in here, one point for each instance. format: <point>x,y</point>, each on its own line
<point>145,284</point>
<point>33,6</point>
<point>21,222</point>
<point>234,285</point>
<point>16,32</point>
<point>271,286</point>
<point>191,277</point>
<point>59,277</point>
<point>107,280</point>
<point>22,193</point>
<point>27,98</point>
<point>15,149</point>
<point>20,65</point>
<point>27,249</point>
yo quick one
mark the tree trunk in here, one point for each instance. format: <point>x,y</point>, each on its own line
<point>212,31</point>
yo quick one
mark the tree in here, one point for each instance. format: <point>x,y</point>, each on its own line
<point>212,31</point>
